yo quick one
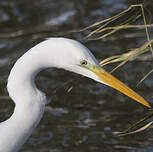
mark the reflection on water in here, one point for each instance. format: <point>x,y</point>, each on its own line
<point>85,118</point>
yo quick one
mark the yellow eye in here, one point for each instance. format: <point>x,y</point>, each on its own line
<point>83,62</point>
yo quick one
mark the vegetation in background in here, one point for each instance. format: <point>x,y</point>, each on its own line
<point>104,29</point>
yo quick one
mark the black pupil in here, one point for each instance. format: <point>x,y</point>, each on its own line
<point>84,62</point>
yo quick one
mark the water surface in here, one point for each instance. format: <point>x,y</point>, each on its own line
<point>85,118</point>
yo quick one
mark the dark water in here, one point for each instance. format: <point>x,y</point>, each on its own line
<point>85,118</point>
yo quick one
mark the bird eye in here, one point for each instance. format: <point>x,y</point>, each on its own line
<point>84,62</point>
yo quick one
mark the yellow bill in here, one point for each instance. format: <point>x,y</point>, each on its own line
<point>110,80</point>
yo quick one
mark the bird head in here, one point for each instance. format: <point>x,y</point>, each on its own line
<point>80,60</point>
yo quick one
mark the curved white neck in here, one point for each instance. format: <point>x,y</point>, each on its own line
<point>29,103</point>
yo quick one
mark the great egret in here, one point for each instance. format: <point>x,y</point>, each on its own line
<point>30,102</point>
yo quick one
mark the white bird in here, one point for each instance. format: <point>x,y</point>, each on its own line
<point>30,102</point>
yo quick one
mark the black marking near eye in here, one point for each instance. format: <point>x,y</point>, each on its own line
<point>84,62</point>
